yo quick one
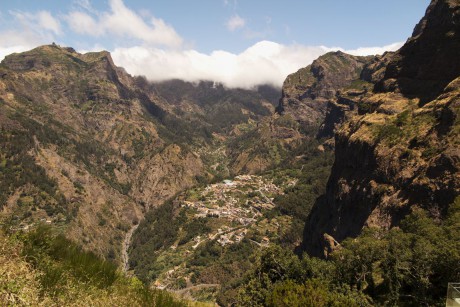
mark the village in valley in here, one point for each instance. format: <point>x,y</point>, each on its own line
<point>234,210</point>
<point>240,201</point>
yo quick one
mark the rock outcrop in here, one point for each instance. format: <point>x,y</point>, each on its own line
<point>306,93</point>
<point>106,157</point>
<point>401,149</point>
<point>428,61</point>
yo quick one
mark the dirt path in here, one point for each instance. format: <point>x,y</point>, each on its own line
<point>124,250</point>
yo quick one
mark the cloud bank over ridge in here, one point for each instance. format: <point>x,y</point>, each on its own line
<point>152,48</point>
<point>263,63</point>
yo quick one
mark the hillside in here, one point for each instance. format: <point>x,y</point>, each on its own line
<point>400,150</point>
<point>343,192</point>
<point>80,148</point>
<point>44,269</point>
<point>307,92</point>
<point>207,236</point>
<point>90,149</point>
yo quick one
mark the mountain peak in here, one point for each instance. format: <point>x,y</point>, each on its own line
<point>437,38</point>
<point>53,55</point>
<point>399,151</point>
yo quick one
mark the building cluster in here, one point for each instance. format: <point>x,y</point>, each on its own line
<point>241,200</point>
<point>232,237</point>
<point>230,199</point>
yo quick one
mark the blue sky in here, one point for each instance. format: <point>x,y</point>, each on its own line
<point>237,42</point>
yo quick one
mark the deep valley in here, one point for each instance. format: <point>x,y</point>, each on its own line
<point>342,188</point>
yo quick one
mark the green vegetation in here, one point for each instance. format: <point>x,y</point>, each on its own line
<point>403,127</point>
<point>172,244</point>
<point>406,266</point>
<point>279,275</point>
<point>20,172</point>
<point>158,230</point>
<point>56,257</point>
<point>359,85</point>
<point>366,107</point>
<point>311,172</point>
<point>221,109</point>
<point>41,268</point>
<point>194,228</point>
<point>286,121</point>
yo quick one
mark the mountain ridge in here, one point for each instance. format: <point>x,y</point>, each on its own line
<point>111,145</point>
<point>96,153</point>
<point>398,152</point>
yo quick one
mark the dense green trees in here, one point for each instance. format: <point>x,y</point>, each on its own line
<point>43,268</point>
<point>311,172</point>
<point>409,265</point>
<point>158,230</point>
<point>18,168</point>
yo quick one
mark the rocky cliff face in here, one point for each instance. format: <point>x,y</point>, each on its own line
<point>401,150</point>
<point>88,130</point>
<point>315,101</point>
<point>306,93</point>
<point>428,61</point>
<point>85,146</point>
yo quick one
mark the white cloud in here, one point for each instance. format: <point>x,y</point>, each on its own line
<point>263,63</point>
<point>375,50</point>
<point>235,22</point>
<point>42,20</point>
<point>48,22</point>
<point>121,21</point>
<point>233,3</point>
<point>84,4</point>
<point>4,51</point>
<point>83,23</point>
<point>31,30</point>
<point>19,41</point>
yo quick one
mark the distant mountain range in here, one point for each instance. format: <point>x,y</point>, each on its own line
<point>91,150</point>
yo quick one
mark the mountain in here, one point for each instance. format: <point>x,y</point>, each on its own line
<point>428,61</point>
<point>306,100</point>
<point>91,149</point>
<point>399,150</point>
<point>385,232</point>
<point>357,163</point>
<point>307,92</point>
<point>205,103</point>
<point>78,138</point>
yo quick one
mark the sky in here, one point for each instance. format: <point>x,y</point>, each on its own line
<point>240,43</point>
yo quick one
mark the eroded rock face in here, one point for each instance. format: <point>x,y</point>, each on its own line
<point>428,61</point>
<point>306,93</point>
<point>401,149</point>
<point>95,137</point>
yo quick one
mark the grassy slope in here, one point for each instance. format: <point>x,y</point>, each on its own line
<point>40,268</point>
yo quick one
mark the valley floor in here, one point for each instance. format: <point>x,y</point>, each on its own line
<point>224,216</point>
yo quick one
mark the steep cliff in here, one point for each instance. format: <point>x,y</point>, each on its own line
<point>306,93</point>
<point>401,150</point>
<point>428,61</point>
<point>82,148</point>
